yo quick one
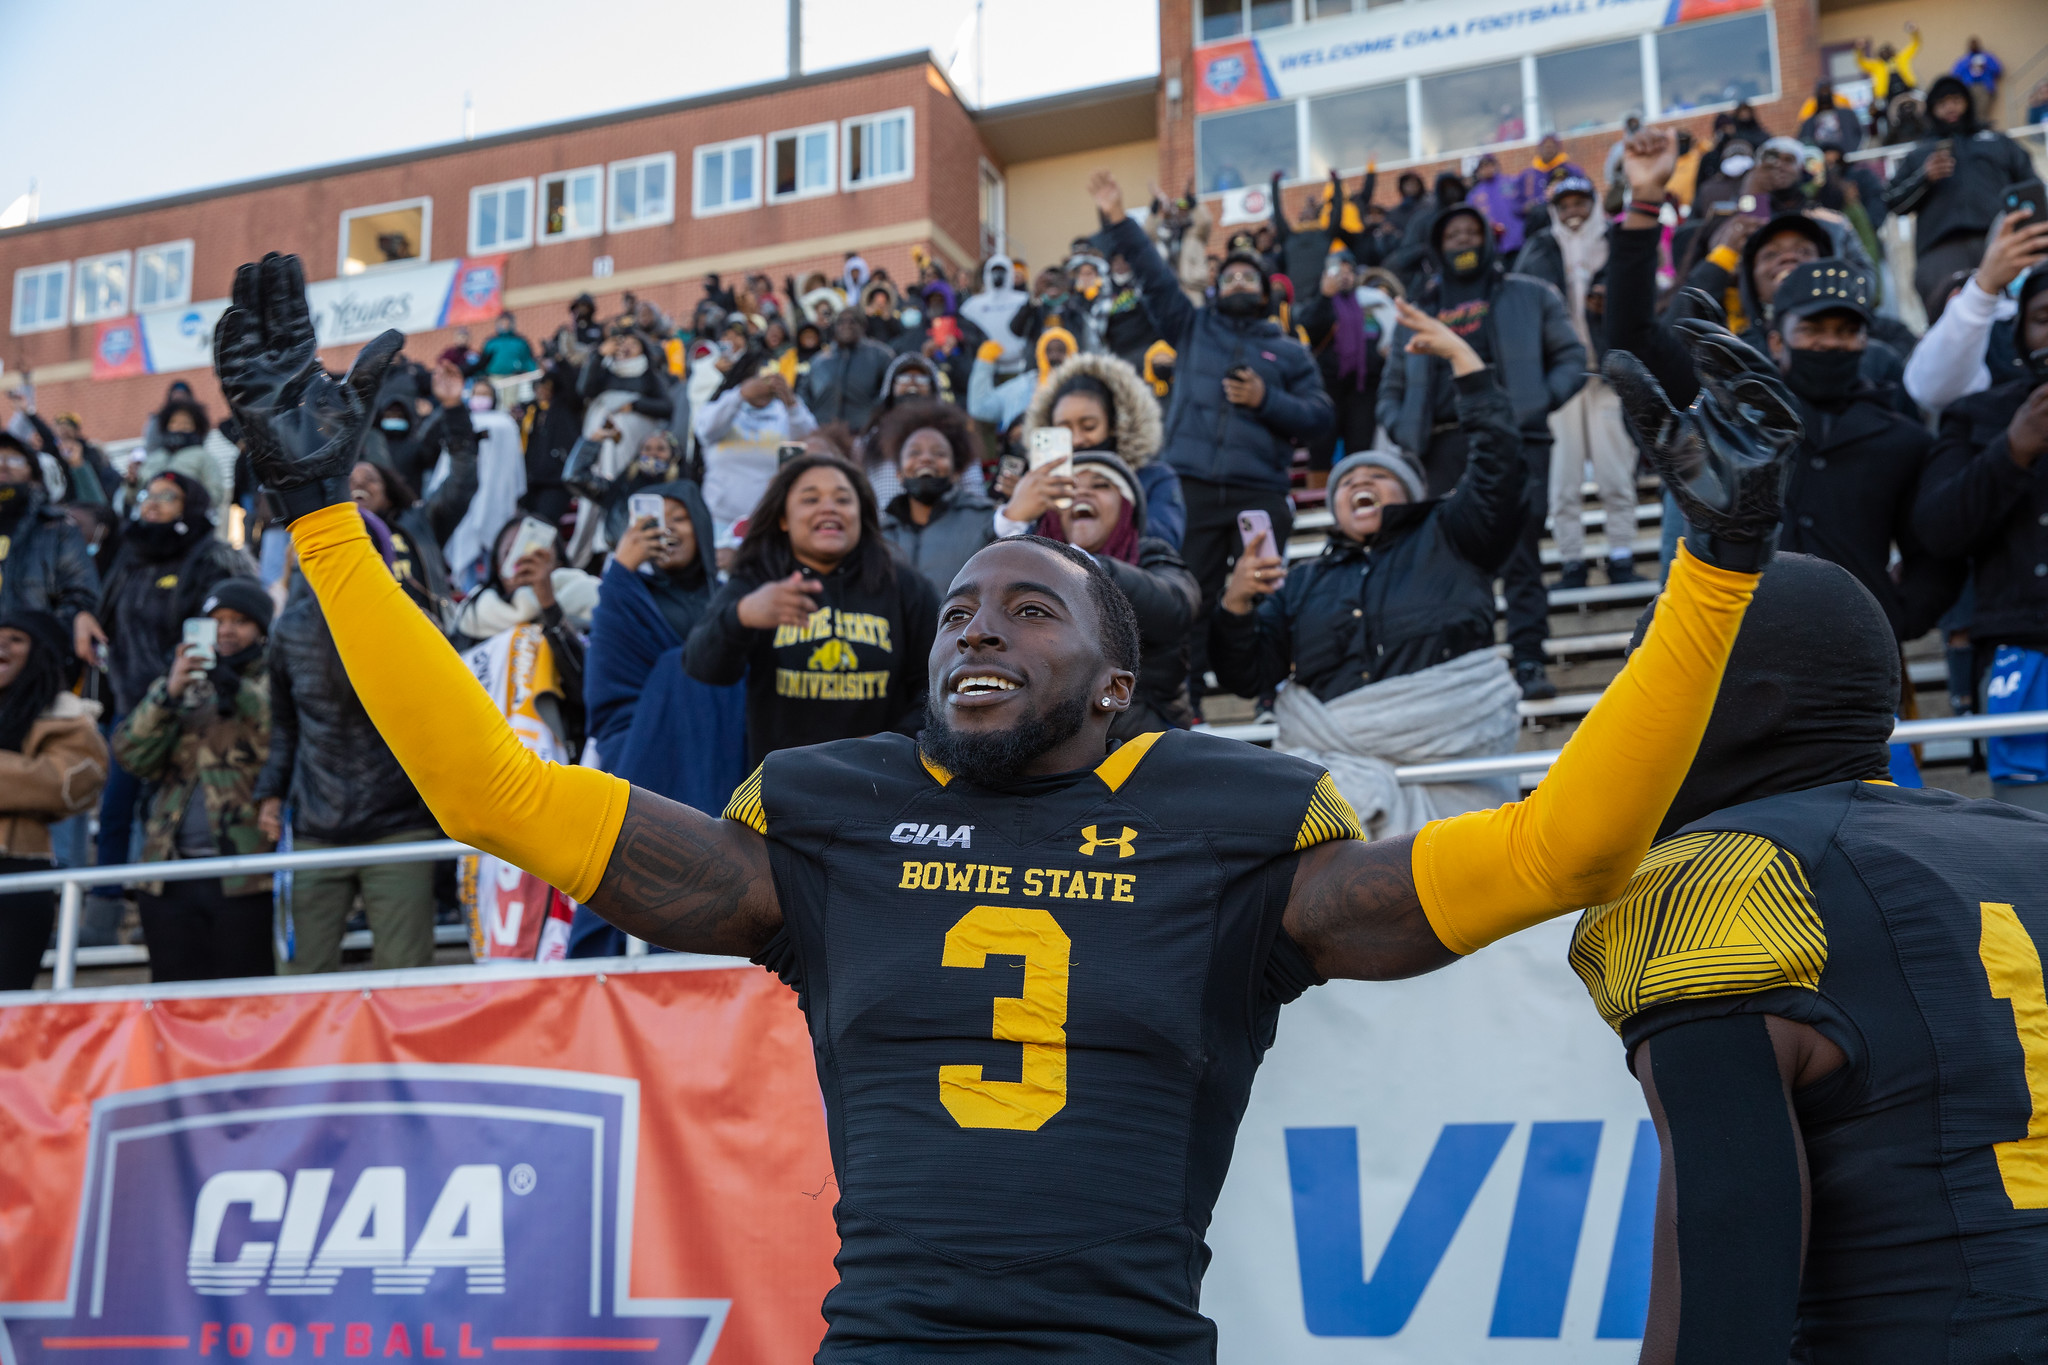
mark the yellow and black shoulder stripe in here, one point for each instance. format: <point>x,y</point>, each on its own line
<point>1706,915</point>
<point>746,807</point>
<point>1329,817</point>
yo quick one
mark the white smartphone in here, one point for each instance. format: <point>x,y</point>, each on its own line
<point>534,534</point>
<point>645,507</point>
<point>202,633</point>
<point>1050,445</point>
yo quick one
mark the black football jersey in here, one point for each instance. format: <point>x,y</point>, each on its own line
<point>1036,1014</point>
<point>1908,927</point>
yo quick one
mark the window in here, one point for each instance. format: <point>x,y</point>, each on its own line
<point>1472,108</point>
<point>1228,18</point>
<point>1716,63</point>
<point>386,234</point>
<point>728,177</point>
<point>163,276</point>
<point>995,213</point>
<point>41,294</point>
<point>102,287</point>
<point>501,217</point>
<point>1348,130</point>
<point>1235,150</point>
<point>1589,87</point>
<point>800,162</point>
<point>568,204</point>
<point>878,149</point>
<point>1222,19</point>
<point>643,192</point>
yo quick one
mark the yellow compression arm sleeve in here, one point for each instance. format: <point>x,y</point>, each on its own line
<point>1578,838</point>
<point>483,785</point>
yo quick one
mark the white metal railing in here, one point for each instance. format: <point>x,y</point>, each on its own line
<point>70,882</point>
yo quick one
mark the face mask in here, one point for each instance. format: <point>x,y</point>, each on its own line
<point>627,367</point>
<point>1162,374</point>
<point>1240,305</point>
<point>912,317</point>
<point>1121,279</point>
<point>13,497</point>
<point>1465,263</point>
<point>395,424</point>
<point>927,488</point>
<point>479,402</point>
<point>179,440</point>
<point>1737,166</point>
<point>1823,376</point>
<point>158,540</point>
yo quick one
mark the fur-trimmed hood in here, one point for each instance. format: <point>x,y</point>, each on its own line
<point>1138,426</point>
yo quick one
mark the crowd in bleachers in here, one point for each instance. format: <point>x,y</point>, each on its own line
<point>672,545</point>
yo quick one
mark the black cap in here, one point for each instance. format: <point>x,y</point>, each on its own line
<point>1822,286</point>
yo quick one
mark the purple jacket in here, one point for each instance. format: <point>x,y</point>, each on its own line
<point>1500,199</point>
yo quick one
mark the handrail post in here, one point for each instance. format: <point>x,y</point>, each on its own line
<point>65,974</point>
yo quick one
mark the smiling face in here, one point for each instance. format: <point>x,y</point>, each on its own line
<point>1084,416</point>
<point>680,549</point>
<point>1574,209</point>
<point>822,518</point>
<point>1461,234</point>
<point>925,451</point>
<point>912,382</point>
<point>14,648</point>
<point>1093,516</point>
<point>1356,501</point>
<point>1776,258</point>
<point>1018,665</point>
<point>367,487</point>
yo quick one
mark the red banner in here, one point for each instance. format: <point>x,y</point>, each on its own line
<point>118,350</point>
<point>538,1162</point>
<point>1231,75</point>
<point>477,293</point>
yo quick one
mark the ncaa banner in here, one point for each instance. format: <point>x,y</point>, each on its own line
<point>1453,1170</point>
<point>1393,42</point>
<point>118,349</point>
<point>537,1163</point>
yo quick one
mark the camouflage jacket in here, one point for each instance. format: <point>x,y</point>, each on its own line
<point>187,745</point>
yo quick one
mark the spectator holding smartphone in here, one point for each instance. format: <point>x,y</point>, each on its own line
<point>1387,636</point>
<point>1953,183</point>
<point>202,734</point>
<point>934,523</point>
<point>750,417</point>
<point>831,634</point>
<point>1965,347</point>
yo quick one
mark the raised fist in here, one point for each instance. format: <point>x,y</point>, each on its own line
<point>305,427</point>
<point>1724,458</point>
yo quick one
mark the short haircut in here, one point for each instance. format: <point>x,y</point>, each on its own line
<point>1112,608</point>
<point>913,415</point>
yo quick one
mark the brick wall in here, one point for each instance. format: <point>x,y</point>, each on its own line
<point>1798,27</point>
<point>304,216</point>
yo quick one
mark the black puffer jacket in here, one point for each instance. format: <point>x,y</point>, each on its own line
<point>844,385</point>
<point>46,567</point>
<point>327,760</point>
<point>1208,437</point>
<point>650,387</point>
<point>1971,198</point>
<point>144,606</point>
<point>1975,501</point>
<point>1165,596</point>
<point>1420,594</point>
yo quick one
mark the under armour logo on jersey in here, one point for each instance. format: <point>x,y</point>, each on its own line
<point>1125,844</point>
<point>910,832</point>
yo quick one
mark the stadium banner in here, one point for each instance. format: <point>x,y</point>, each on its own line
<point>1393,42</point>
<point>534,1162</point>
<point>346,311</point>
<point>1457,1170</point>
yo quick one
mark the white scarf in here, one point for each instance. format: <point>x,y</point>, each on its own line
<point>1584,249</point>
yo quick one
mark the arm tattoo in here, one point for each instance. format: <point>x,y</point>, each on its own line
<point>682,880</point>
<point>1355,912</point>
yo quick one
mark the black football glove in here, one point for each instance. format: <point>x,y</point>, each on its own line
<point>1725,458</point>
<point>304,427</point>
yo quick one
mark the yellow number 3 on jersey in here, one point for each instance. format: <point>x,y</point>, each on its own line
<point>1037,1019</point>
<point>2013,965</point>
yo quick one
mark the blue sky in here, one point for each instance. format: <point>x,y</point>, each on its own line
<point>110,101</point>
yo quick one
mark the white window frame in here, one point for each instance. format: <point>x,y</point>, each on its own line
<point>850,129</point>
<point>135,280</point>
<point>79,312</point>
<point>540,222</point>
<point>830,128</point>
<point>698,180</point>
<point>477,192</point>
<point>424,203</point>
<point>633,164</point>
<point>63,319</point>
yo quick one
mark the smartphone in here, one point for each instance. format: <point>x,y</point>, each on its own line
<point>1011,466</point>
<point>1253,524</point>
<point>789,450</point>
<point>1746,204</point>
<point>534,534</point>
<point>202,633</point>
<point>645,507</point>
<point>2029,197</point>
<point>1239,373</point>
<point>1050,445</point>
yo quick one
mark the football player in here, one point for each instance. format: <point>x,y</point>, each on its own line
<point>1039,973</point>
<point>1830,990</point>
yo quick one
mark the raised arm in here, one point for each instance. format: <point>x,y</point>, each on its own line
<point>1159,288</point>
<point>1402,907</point>
<point>658,870</point>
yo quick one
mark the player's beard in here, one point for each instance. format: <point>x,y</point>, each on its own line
<point>994,757</point>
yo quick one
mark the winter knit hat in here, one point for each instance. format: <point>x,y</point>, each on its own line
<point>242,594</point>
<point>1393,461</point>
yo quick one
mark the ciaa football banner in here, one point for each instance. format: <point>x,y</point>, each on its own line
<point>535,1163</point>
<point>630,1156</point>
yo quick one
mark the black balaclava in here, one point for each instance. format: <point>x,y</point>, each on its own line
<point>1962,127</point>
<point>1242,305</point>
<point>1827,379</point>
<point>1808,698</point>
<point>159,541</point>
